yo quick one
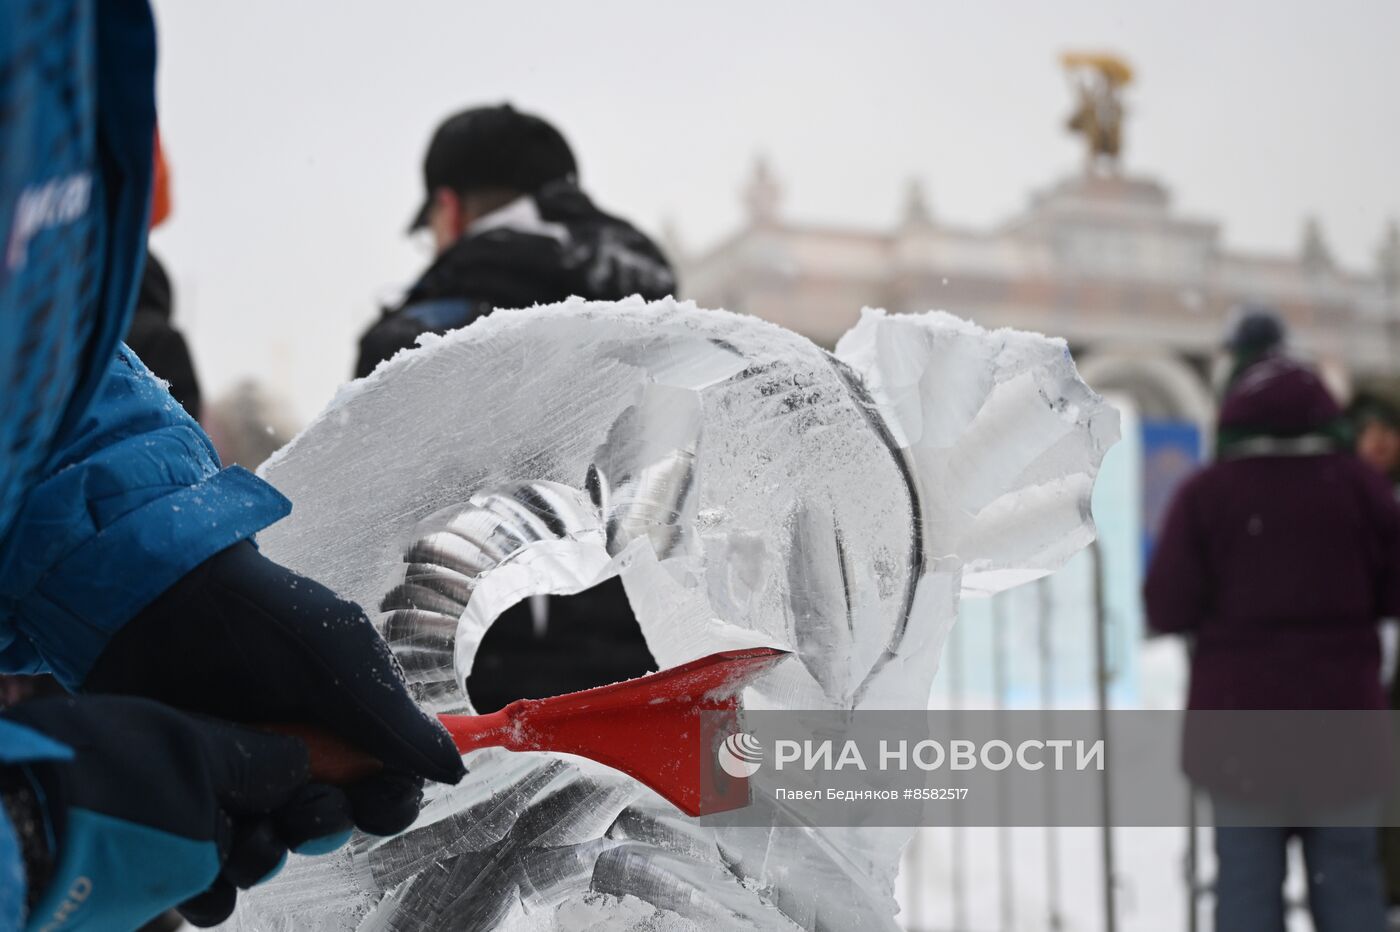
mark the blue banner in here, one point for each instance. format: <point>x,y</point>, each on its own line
<point>1171,451</point>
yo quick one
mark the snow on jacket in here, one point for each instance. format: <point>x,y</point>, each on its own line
<point>1280,559</point>
<point>109,492</point>
<point>538,249</point>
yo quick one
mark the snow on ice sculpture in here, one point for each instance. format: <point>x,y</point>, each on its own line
<point>749,488</point>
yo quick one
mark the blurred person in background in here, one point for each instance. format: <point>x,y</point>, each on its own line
<point>154,338</point>
<point>511,228</point>
<point>126,563</point>
<point>1374,413</point>
<point>248,423</point>
<point>1279,559</point>
<point>152,334</point>
<point>1254,333</point>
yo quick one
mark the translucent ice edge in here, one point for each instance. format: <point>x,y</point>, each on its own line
<point>1004,437</point>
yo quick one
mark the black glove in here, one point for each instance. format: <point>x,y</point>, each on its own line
<point>244,639</point>
<point>154,807</point>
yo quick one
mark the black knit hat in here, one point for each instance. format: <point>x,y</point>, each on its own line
<point>1255,330</point>
<point>493,147</point>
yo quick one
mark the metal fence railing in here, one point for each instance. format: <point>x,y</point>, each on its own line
<point>966,909</point>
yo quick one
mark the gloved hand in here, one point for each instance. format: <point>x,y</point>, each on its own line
<point>245,639</point>
<point>153,808</point>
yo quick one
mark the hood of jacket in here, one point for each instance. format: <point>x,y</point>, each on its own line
<point>1278,397</point>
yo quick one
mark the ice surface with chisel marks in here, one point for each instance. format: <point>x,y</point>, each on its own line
<point>749,488</point>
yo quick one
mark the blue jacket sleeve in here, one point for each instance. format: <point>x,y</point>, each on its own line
<point>132,499</point>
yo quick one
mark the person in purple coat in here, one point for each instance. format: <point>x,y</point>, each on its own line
<point>1278,560</point>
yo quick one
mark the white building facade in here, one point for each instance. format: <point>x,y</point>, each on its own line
<point>1142,294</point>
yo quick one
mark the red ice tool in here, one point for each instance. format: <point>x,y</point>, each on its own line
<point>662,729</point>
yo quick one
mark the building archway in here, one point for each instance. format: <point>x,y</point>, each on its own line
<point>1176,415</point>
<point>1162,386</point>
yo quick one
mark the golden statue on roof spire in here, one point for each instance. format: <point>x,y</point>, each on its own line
<point>1098,80</point>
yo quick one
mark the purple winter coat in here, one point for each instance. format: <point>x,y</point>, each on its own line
<point>1280,564</point>
<point>1280,559</point>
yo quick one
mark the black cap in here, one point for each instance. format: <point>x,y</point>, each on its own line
<point>1255,329</point>
<point>493,147</point>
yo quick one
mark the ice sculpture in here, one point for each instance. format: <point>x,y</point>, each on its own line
<point>749,488</point>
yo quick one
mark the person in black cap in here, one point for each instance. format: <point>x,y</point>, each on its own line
<point>1253,332</point>
<point>511,229</point>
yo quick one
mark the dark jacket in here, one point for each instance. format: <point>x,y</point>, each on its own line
<point>539,249</point>
<point>153,337</point>
<point>1280,558</point>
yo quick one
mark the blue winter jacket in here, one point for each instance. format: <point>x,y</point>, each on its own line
<point>109,492</point>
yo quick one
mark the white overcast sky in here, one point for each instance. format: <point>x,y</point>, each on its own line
<point>295,130</point>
